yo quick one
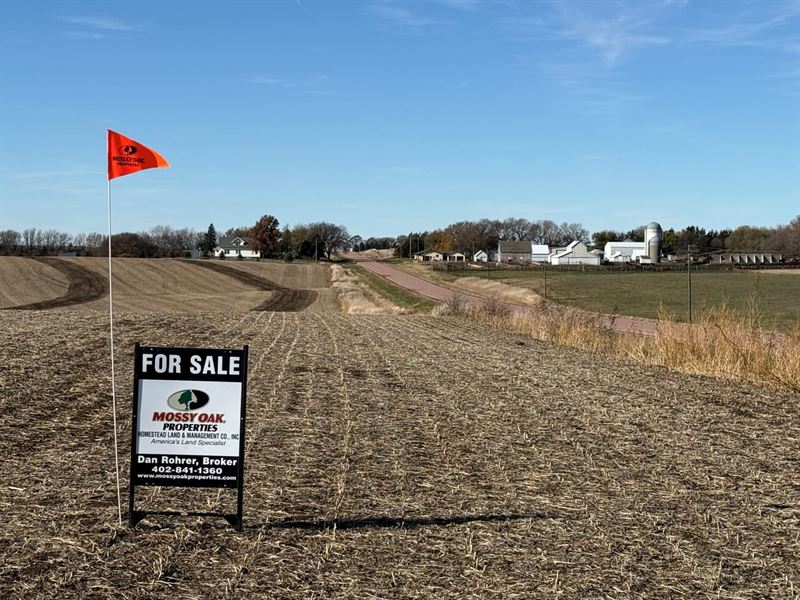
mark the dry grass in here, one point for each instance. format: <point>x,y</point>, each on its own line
<point>493,289</point>
<point>356,297</point>
<point>723,342</point>
<point>376,254</point>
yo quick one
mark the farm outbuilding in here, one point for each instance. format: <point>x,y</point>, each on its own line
<point>540,253</point>
<point>575,254</point>
<point>623,252</point>
<point>480,256</point>
<point>454,257</point>
<point>428,256</point>
<point>750,258</point>
<point>514,251</point>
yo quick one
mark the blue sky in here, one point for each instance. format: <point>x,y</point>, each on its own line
<point>388,116</point>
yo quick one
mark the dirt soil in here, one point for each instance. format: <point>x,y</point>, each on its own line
<point>83,285</point>
<point>400,457</point>
<point>283,299</point>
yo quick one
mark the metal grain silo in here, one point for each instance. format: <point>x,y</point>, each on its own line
<point>652,241</point>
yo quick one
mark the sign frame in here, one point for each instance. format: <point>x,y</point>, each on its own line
<point>135,516</point>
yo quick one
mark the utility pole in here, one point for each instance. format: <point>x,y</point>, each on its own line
<point>316,258</point>
<point>409,245</point>
<point>545,280</point>
<point>689,249</point>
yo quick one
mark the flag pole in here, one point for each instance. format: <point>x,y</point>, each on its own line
<point>113,380</point>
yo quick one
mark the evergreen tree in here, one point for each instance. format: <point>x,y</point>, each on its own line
<point>209,240</point>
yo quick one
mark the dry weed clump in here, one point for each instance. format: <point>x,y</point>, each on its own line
<point>730,343</point>
<point>495,289</point>
<point>355,298</point>
<point>722,343</point>
<point>455,305</point>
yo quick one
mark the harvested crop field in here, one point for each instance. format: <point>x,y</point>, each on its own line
<point>160,285</point>
<point>401,456</point>
<point>25,281</point>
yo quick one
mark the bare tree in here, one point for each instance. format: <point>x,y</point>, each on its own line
<point>29,237</point>
<point>514,228</point>
<point>94,240</point>
<point>550,233</point>
<point>573,231</point>
<point>9,238</point>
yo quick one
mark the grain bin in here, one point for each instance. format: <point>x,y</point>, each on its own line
<point>652,241</point>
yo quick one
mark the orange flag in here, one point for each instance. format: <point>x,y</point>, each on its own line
<point>126,156</point>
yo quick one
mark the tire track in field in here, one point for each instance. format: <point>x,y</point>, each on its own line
<point>381,402</point>
<point>84,286</point>
<point>422,421</point>
<point>283,299</point>
<point>346,416</point>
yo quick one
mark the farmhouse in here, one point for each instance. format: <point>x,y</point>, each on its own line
<point>480,256</point>
<point>514,251</point>
<point>575,254</point>
<point>236,246</point>
<point>454,257</point>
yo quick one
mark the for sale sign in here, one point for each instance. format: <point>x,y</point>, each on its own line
<point>188,417</point>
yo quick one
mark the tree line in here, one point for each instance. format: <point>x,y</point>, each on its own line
<point>322,239</point>
<point>160,241</point>
<point>470,236</point>
<point>305,240</point>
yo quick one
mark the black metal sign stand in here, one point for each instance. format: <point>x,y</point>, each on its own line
<point>134,516</point>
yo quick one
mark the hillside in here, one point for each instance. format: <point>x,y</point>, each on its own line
<point>162,285</point>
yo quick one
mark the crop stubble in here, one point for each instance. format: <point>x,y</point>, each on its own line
<point>402,457</point>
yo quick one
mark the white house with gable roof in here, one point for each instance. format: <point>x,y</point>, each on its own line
<point>233,246</point>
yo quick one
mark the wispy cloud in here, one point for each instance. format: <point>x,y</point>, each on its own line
<point>96,28</point>
<point>401,170</point>
<point>612,36</point>
<point>262,80</point>
<point>99,23</point>
<point>593,91</point>
<point>319,85</point>
<point>403,18</point>
<point>773,26</point>
<point>465,5</point>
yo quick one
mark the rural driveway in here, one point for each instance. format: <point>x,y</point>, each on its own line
<point>422,287</point>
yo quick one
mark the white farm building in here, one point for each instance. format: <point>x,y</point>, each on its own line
<point>575,254</point>
<point>540,253</point>
<point>647,251</point>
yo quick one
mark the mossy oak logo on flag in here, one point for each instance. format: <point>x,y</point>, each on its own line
<point>188,400</point>
<point>129,150</point>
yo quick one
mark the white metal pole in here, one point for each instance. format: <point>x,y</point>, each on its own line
<point>113,375</point>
